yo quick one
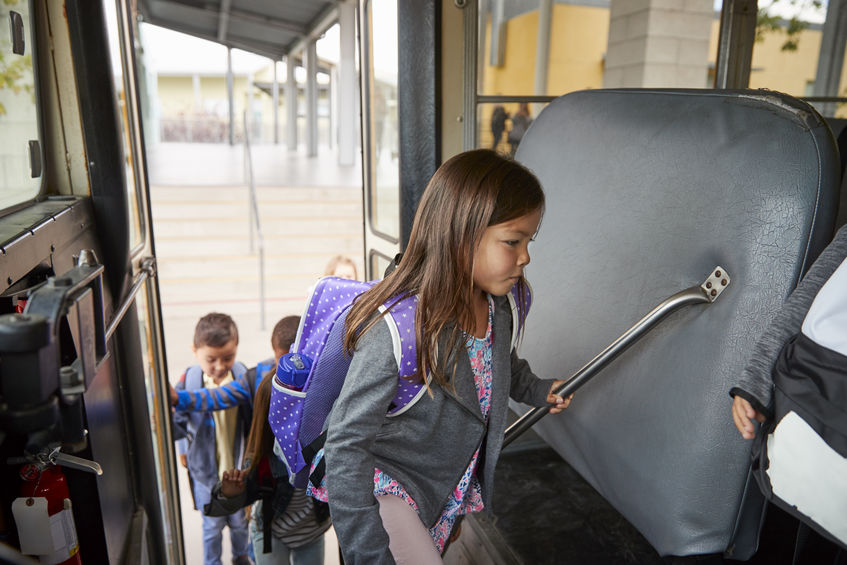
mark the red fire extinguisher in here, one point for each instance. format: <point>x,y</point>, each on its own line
<point>44,517</point>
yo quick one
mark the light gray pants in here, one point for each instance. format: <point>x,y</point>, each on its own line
<point>408,538</point>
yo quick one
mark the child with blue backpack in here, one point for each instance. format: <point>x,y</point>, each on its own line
<point>397,483</point>
<point>209,441</point>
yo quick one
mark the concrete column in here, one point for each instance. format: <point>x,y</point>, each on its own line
<point>347,87</point>
<point>658,43</point>
<point>290,103</point>
<point>249,130</point>
<point>497,52</point>
<point>831,57</point>
<point>542,50</point>
<point>229,96</point>
<point>198,93</point>
<point>198,106</point>
<point>311,99</point>
<point>276,106</point>
<point>333,106</point>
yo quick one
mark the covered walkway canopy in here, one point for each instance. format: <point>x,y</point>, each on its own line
<point>276,29</point>
<point>273,28</point>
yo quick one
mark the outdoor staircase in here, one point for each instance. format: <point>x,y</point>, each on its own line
<point>205,263</point>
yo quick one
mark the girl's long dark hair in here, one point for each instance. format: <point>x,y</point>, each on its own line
<point>467,194</point>
<point>260,442</point>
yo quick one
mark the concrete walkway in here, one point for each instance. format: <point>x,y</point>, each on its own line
<point>208,164</point>
<point>310,210</point>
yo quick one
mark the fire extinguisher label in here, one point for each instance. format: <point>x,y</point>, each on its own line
<point>64,536</point>
<point>33,522</point>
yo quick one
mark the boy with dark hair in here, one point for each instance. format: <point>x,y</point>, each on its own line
<point>282,336</point>
<point>210,440</point>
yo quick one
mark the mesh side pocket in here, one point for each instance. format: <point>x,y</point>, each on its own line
<point>284,417</point>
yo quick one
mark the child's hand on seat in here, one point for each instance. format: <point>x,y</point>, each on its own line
<point>557,401</point>
<point>232,482</point>
<point>743,415</point>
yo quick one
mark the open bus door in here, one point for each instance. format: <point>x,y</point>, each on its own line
<point>82,362</point>
<point>380,134</point>
<point>401,118</point>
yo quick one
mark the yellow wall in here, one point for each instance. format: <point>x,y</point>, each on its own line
<point>176,93</point>
<point>578,41</point>
<point>578,38</point>
<point>785,71</point>
<point>517,74</point>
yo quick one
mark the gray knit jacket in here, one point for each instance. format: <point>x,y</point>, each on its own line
<point>755,383</point>
<point>427,448</point>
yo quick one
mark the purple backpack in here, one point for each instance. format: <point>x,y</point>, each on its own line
<point>297,417</point>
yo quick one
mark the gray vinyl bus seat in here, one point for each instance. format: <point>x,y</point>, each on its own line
<point>839,131</point>
<point>648,191</point>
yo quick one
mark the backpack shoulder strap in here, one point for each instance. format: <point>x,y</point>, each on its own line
<point>194,377</point>
<point>241,373</point>
<point>401,323</point>
<point>239,369</point>
<point>400,319</point>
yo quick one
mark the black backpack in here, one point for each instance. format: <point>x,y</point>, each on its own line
<point>800,458</point>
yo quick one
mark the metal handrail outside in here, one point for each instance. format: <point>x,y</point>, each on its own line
<point>254,221</point>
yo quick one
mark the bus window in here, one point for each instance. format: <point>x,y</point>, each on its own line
<point>124,88</point>
<point>797,52</point>
<point>532,52</point>
<point>378,48</point>
<point>384,140</point>
<point>501,125</point>
<point>582,45</point>
<point>377,263</point>
<point>20,139</point>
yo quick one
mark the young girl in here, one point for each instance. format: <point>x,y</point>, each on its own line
<point>397,484</point>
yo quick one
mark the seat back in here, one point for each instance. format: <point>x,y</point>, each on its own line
<point>839,131</point>
<point>648,191</point>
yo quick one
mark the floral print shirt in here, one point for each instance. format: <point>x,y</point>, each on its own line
<point>467,496</point>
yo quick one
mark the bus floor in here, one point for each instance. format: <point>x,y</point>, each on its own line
<point>546,513</point>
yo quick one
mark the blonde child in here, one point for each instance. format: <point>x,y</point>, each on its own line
<point>342,267</point>
<point>396,485</point>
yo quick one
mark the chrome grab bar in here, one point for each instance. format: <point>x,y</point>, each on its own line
<point>706,293</point>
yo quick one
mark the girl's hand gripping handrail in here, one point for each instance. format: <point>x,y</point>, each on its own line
<point>707,293</point>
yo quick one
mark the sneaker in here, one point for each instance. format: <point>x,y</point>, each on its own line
<point>242,560</point>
